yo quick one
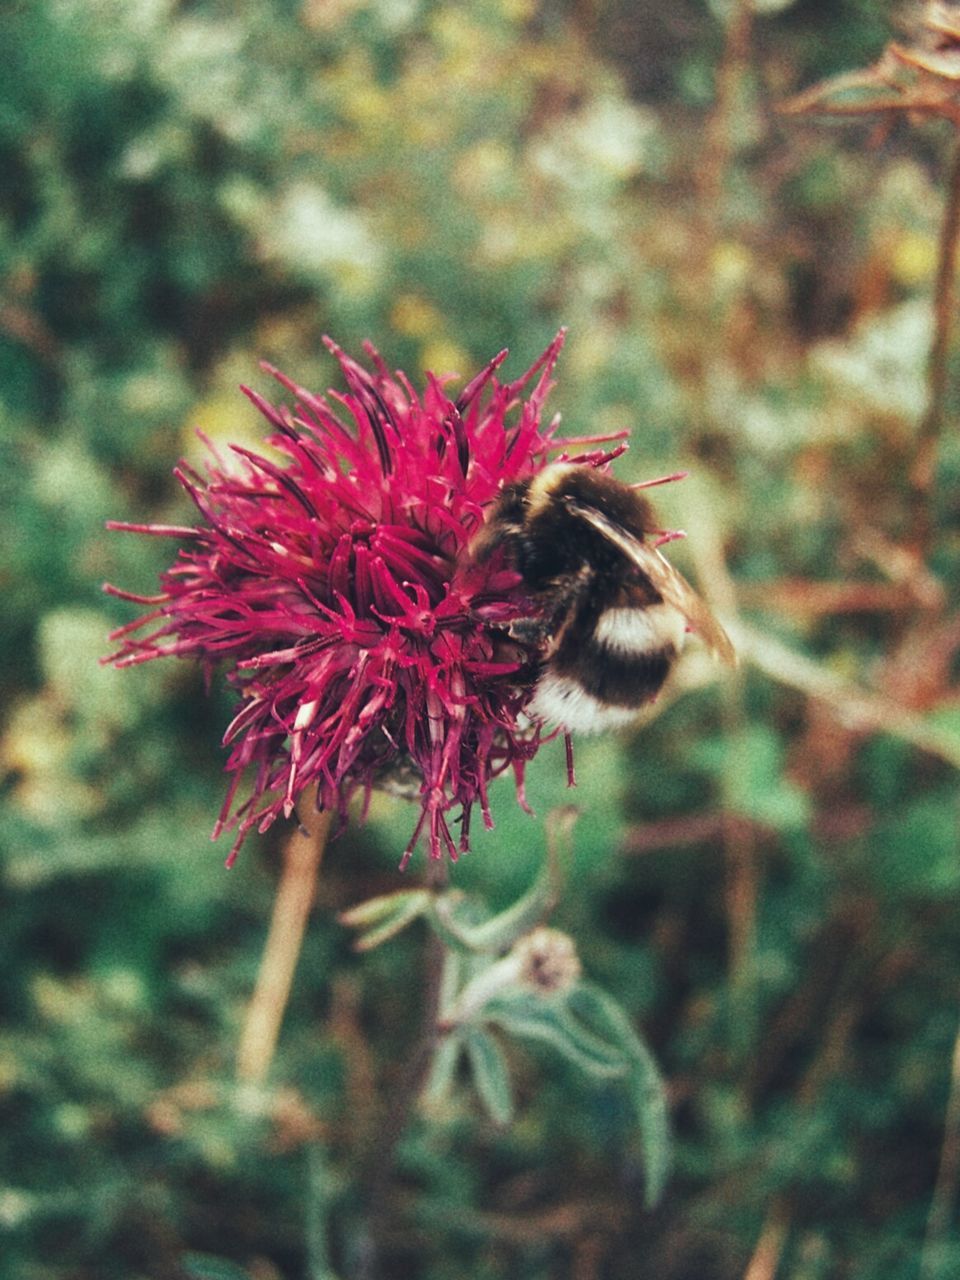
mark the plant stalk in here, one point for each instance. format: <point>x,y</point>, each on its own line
<point>923,472</point>
<point>302,855</point>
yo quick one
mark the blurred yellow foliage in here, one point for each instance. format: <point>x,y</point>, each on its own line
<point>730,264</point>
<point>224,415</point>
<point>481,169</point>
<point>441,356</point>
<point>414,317</point>
<point>914,258</point>
<point>519,11</point>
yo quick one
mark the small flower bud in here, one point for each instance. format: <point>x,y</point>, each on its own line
<point>548,961</point>
<point>543,961</point>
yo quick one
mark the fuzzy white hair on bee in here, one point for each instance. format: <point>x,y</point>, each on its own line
<point>611,614</point>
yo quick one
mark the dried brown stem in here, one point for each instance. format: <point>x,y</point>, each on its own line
<point>820,98</point>
<point>734,64</point>
<point>532,1224</point>
<point>291,909</point>
<point>739,841</point>
<point>858,708</point>
<point>806,599</point>
<point>743,880</point>
<point>944,307</point>
<point>932,106</point>
<point>766,1257</point>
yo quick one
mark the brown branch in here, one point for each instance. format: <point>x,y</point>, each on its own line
<point>859,709</point>
<point>291,909</point>
<point>932,106</point>
<point>923,473</point>
<point>804,598</point>
<point>815,99</point>
<point>733,67</point>
<point>766,1257</point>
<point>531,1225</point>
<point>685,831</point>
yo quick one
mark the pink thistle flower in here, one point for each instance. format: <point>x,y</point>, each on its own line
<point>363,640</point>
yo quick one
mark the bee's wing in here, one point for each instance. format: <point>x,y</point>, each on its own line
<point>671,585</point>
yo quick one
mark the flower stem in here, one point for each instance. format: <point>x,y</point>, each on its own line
<point>766,1257</point>
<point>721,129</point>
<point>291,908</point>
<point>944,306</point>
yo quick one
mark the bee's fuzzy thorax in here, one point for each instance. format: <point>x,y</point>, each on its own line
<point>552,539</point>
<point>571,483</point>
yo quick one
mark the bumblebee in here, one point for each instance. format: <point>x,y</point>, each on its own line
<point>609,613</point>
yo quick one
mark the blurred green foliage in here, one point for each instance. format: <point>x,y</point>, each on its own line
<point>768,883</point>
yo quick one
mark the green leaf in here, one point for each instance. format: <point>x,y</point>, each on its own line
<point>551,1021</point>
<point>915,850</point>
<point>200,1266</point>
<point>500,931</point>
<point>644,1081</point>
<point>490,1075</point>
<point>442,1075</point>
<point>386,916</point>
<point>755,783</point>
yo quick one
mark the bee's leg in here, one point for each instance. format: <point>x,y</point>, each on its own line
<point>532,632</point>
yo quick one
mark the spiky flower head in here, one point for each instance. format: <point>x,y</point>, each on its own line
<point>336,586</point>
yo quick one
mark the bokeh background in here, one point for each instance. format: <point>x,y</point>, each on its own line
<point>766,875</point>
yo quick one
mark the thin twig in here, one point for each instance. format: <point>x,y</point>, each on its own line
<point>734,65</point>
<point>816,98</point>
<point>739,841</point>
<point>934,106</point>
<point>854,706</point>
<point>291,909</point>
<point>807,599</point>
<point>948,1175</point>
<point>923,472</point>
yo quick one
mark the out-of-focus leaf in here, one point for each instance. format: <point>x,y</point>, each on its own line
<point>443,1066</point>
<point>491,1075</point>
<point>755,781</point>
<point>204,1267</point>
<point>647,1091</point>
<point>916,850</point>
<point>552,1022</point>
<point>500,931</point>
<point>384,917</point>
